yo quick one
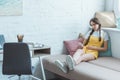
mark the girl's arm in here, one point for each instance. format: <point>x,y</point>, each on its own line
<point>84,41</point>
<point>104,48</point>
<point>82,44</point>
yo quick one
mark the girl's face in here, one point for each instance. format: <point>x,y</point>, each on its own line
<point>94,26</point>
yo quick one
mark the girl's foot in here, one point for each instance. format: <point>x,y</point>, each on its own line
<point>62,66</point>
<point>70,62</point>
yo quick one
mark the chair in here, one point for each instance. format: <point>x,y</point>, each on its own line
<point>2,41</point>
<point>17,60</point>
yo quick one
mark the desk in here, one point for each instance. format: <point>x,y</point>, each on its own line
<point>40,52</point>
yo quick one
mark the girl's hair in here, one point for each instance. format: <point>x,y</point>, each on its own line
<point>96,21</point>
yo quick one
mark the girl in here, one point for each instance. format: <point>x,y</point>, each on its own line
<point>91,46</point>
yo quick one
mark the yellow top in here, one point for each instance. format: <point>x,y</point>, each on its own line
<point>94,41</point>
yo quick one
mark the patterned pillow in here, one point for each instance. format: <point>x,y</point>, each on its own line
<point>73,45</point>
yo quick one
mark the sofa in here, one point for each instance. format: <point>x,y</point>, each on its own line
<point>103,68</point>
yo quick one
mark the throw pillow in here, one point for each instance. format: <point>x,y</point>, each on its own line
<point>73,45</point>
<point>107,19</point>
<point>108,52</point>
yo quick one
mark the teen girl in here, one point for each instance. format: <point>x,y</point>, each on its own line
<point>91,46</point>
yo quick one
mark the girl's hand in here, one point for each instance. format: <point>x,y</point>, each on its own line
<point>91,47</point>
<point>81,45</point>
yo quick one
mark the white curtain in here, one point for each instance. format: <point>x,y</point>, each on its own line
<point>117,8</point>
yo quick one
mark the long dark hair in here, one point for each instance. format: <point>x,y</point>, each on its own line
<point>96,21</point>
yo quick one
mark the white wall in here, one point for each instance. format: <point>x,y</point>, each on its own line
<point>50,21</point>
<point>114,36</point>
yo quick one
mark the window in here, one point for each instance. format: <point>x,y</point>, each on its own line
<point>117,8</point>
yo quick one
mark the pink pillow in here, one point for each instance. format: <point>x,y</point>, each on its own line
<point>73,45</point>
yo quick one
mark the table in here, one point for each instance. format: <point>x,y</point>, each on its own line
<point>40,51</point>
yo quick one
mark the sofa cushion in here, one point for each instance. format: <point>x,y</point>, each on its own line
<point>73,45</point>
<point>93,72</point>
<point>107,62</point>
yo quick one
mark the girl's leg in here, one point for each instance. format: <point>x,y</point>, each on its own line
<point>77,54</point>
<point>71,61</point>
<point>85,57</point>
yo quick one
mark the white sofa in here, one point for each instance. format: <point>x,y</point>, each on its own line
<point>104,68</point>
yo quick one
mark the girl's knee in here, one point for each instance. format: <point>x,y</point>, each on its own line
<point>80,51</point>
